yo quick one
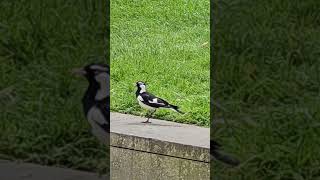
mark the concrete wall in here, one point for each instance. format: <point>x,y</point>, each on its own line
<point>129,164</point>
<point>140,157</point>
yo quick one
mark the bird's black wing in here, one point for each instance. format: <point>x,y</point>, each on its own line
<point>153,101</point>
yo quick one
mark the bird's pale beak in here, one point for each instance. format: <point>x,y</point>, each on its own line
<point>78,72</point>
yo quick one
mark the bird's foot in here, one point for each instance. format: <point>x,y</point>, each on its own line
<point>146,122</point>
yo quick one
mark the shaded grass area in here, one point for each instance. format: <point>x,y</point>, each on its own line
<point>266,88</point>
<point>164,43</point>
<point>40,102</point>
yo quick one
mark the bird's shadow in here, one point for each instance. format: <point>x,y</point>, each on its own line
<point>153,124</point>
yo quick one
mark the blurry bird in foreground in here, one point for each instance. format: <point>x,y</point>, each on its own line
<point>96,99</point>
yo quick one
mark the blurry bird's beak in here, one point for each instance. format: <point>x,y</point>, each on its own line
<point>78,72</point>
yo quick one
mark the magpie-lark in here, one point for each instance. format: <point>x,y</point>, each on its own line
<point>96,99</point>
<point>217,154</point>
<point>151,102</point>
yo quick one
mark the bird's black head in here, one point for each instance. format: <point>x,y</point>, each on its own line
<point>141,85</point>
<point>92,70</point>
<point>98,76</point>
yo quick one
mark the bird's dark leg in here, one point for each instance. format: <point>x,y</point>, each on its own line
<point>150,116</point>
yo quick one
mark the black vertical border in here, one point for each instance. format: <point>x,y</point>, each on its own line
<point>107,58</point>
<point>211,75</point>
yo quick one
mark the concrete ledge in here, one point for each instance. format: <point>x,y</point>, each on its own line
<point>160,150</point>
<point>160,130</point>
<point>26,171</point>
<point>160,147</point>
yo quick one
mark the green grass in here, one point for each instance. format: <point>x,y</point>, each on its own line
<point>40,102</point>
<point>266,79</point>
<point>162,43</point>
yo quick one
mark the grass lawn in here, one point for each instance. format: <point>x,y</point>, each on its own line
<point>40,102</point>
<point>164,44</point>
<point>267,81</point>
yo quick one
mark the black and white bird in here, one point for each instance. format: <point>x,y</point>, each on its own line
<point>96,99</point>
<point>215,151</point>
<point>151,102</point>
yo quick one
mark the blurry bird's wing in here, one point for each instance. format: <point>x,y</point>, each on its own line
<point>216,154</point>
<point>214,145</point>
<point>104,106</point>
<point>100,123</point>
<point>227,159</point>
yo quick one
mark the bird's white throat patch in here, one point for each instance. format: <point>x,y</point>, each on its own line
<point>103,80</point>
<point>143,88</point>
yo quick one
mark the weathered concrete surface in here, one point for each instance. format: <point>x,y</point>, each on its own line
<point>160,147</point>
<point>26,171</point>
<point>136,165</point>
<point>160,150</point>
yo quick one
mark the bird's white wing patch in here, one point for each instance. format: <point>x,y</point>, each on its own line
<point>155,101</point>
<point>140,98</point>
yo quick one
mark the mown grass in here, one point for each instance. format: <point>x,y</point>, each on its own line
<point>40,102</point>
<point>164,44</point>
<point>266,88</point>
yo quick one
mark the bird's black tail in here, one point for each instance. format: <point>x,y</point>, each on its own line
<point>175,108</point>
<point>224,158</point>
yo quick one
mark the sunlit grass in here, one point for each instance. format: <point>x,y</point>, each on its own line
<point>164,43</point>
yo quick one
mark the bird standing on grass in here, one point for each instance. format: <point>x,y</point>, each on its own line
<point>96,99</point>
<point>151,102</point>
<point>215,152</point>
